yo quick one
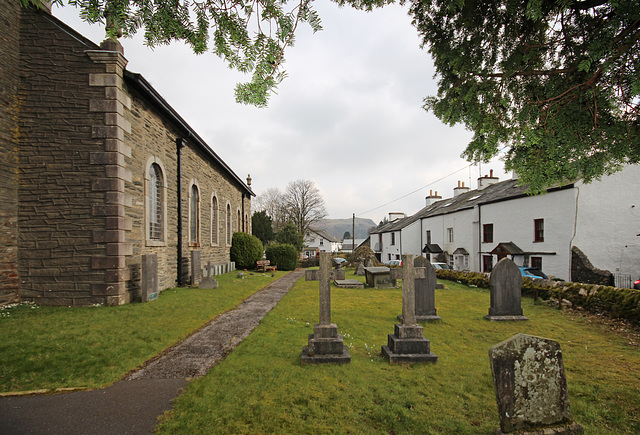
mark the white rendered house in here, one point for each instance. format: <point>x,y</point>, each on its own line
<point>318,240</point>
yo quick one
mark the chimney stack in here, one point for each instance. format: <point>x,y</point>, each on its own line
<point>432,198</point>
<point>460,189</point>
<point>487,180</point>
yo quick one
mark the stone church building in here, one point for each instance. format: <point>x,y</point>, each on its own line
<point>96,170</point>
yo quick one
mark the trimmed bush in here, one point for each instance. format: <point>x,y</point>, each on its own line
<point>245,250</point>
<point>285,256</point>
<point>622,303</point>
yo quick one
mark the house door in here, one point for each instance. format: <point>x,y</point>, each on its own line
<point>487,263</point>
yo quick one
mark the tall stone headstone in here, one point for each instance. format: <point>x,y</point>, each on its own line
<point>425,289</point>
<point>407,344</point>
<point>360,269</point>
<point>196,268</point>
<point>149,282</point>
<point>505,285</point>
<point>325,344</point>
<point>531,388</point>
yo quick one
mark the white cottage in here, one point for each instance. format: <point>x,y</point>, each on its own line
<point>318,240</point>
<point>560,232</point>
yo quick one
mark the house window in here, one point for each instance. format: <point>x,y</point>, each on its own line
<point>487,263</point>
<point>536,262</point>
<point>487,233</point>
<point>538,230</point>
<point>194,215</point>
<point>214,220</point>
<point>380,242</point>
<point>155,203</point>
<point>428,237</point>
<point>450,235</point>
<point>389,257</point>
<point>321,242</point>
<point>393,239</point>
<point>229,224</point>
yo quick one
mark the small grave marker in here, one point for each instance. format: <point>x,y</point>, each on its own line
<point>208,282</point>
<point>531,388</point>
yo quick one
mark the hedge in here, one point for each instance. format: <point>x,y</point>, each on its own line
<point>285,256</point>
<point>246,249</point>
<point>621,303</point>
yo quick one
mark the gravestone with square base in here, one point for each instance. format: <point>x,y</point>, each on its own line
<point>531,388</point>
<point>505,285</point>
<point>325,344</point>
<point>208,281</point>
<point>407,344</point>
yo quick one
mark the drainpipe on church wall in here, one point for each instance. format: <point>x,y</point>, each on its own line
<point>180,143</point>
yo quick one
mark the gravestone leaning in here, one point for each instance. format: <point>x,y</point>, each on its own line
<point>407,344</point>
<point>505,285</point>
<point>149,282</point>
<point>196,268</point>
<point>531,388</point>
<point>325,344</point>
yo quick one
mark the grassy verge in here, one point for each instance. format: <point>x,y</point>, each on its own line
<point>58,347</point>
<point>261,387</point>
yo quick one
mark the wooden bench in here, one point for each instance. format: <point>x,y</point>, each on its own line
<point>265,266</point>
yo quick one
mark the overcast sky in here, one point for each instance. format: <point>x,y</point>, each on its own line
<point>349,116</point>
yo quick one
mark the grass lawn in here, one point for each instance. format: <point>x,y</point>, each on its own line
<point>60,347</point>
<point>261,387</point>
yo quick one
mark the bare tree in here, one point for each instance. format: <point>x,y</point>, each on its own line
<point>273,202</point>
<point>304,204</point>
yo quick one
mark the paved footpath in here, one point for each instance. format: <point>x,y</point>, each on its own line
<point>133,405</point>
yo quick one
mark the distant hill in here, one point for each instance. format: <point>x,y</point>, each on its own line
<point>337,227</point>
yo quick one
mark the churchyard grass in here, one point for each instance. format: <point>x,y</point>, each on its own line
<point>62,347</point>
<point>261,387</point>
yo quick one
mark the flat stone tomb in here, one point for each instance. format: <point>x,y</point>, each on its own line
<point>407,345</point>
<point>348,283</point>
<point>325,344</point>
<point>379,277</point>
<point>505,285</point>
<point>531,388</point>
<point>208,281</point>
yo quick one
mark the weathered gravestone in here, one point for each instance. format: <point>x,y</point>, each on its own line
<point>531,388</point>
<point>149,283</point>
<point>407,344</point>
<point>325,344</point>
<point>360,269</point>
<point>379,277</point>
<point>505,285</point>
<point>196,268</point>
<point>314,274</point>
<point>208,281</point>
<point>425,290</point>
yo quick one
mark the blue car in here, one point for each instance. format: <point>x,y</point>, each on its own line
<point>532,272</point>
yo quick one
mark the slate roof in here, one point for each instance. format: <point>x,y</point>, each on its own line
<point>502,191</point>
<point>325,235</point>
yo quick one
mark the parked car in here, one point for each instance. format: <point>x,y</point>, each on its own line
<point>533,272</point>
<point>340,260</point>
<point>394,263</point>
<point>636,285</point>
<point>444,266</point>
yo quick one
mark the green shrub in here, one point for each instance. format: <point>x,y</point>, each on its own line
<point>285,256</point>
<point>245,250</point>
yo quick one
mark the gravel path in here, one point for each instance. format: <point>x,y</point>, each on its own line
<point>133,405</point>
